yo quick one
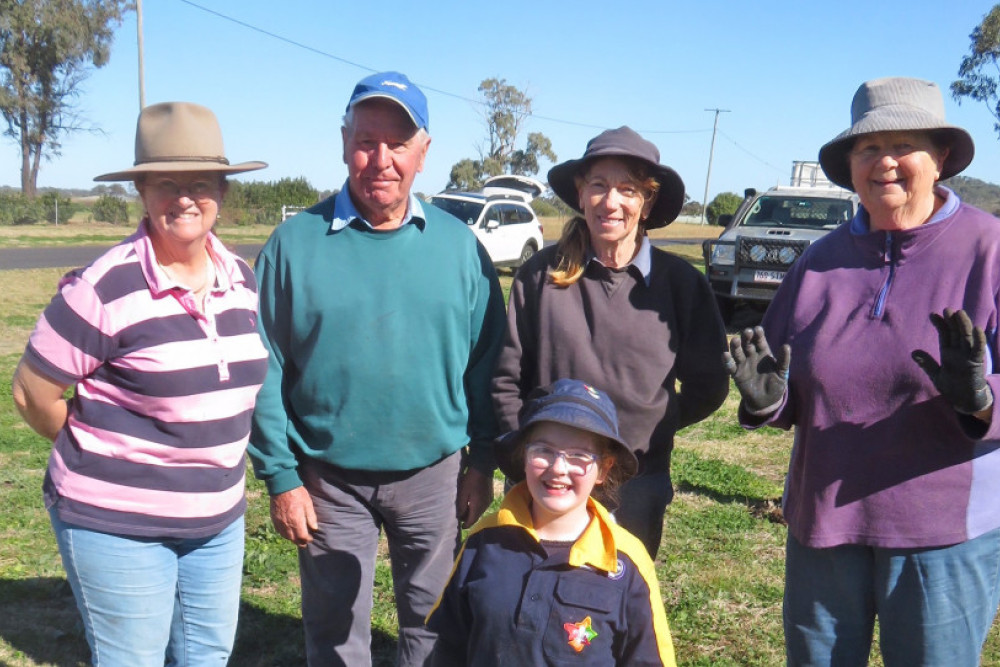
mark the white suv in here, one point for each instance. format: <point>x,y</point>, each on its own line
<point>500,216</point>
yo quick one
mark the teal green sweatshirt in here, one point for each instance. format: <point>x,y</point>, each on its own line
<point>382,346</point>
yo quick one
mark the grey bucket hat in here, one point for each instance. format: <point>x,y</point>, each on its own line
<point>623,142</point>
<point>896,104</point>
<point>178,136</point>
<point>572,403</point>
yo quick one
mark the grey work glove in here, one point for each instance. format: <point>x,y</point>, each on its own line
<point>961,375</point>
<point>760,376</point>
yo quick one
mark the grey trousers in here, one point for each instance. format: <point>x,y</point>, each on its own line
<point>417,511</point>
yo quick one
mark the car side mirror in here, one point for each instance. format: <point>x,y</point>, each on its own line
<point>492,224</point>
<point>725,219</point>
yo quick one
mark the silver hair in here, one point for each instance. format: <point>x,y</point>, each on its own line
<point>348,123</point>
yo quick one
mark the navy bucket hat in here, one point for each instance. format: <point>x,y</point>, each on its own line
<point>571,403</point>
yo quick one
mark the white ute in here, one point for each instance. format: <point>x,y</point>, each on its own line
<point>768,232</point>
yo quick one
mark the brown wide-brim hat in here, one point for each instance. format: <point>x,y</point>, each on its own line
<point>896,104</point>
<point>178,136</point>
<point>623,142</point>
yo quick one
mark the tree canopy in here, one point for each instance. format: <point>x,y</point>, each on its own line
<point>47,48</point>
<point>505,109</point>
<point>260,202</point>
<point>724,202</point>
<point>979,70</point>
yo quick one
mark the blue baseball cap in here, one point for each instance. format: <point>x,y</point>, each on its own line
<point>572,403</point>
<point>396,87</point>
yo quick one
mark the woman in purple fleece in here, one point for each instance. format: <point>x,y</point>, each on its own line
<point>885,335</point>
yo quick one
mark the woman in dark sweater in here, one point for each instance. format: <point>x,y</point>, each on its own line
<point>606,307</point>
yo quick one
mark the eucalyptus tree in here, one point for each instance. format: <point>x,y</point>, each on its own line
<point>979,70</point>
<point>47,49</point>
<point>505,110</point>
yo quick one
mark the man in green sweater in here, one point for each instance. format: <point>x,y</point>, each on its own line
<point>383,317</point>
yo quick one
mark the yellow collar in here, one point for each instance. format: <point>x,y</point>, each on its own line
<point>595,546</point>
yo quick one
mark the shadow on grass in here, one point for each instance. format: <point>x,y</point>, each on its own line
<point>39,621</point>
<point>40,624</point>
<point>763,508</point>
<point>266,639</point>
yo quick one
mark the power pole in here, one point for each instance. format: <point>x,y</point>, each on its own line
<point>711,152</point>
<point>138,26</point>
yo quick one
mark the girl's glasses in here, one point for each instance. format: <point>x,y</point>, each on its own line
<point>542,456</point>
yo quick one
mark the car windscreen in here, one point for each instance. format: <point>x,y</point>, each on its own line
<point>807,212</point>
<point>466,211</point>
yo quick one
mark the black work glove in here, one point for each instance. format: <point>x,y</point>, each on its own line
<point>760,377</point>
<point>960,377</point>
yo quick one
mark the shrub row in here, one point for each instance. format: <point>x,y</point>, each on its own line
<point>251,203</point>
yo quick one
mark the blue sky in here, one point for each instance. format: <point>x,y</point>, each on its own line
<point>786,71</point>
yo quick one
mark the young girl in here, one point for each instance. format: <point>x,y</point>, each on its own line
<point>550,578</point>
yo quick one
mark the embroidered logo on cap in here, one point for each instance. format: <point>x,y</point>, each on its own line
<point>593,392</point>
<point>394,84</point>
<point>580,634</point>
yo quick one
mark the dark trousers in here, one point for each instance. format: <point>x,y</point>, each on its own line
<point>417,511</point>
<point>644,499</point>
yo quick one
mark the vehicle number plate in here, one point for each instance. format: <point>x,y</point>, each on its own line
<point>768,276</point>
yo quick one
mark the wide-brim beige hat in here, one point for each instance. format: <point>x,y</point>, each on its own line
<point>178,136</point>
<point>896,104</point>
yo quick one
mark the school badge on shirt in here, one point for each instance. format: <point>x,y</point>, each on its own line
<point>580,633</point>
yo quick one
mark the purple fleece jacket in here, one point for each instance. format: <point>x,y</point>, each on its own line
<point>880,457</point>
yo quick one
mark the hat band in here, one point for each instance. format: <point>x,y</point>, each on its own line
<point>182,158</point>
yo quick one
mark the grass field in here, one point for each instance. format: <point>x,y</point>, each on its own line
<point>720,562</point>
<point>99,233</point>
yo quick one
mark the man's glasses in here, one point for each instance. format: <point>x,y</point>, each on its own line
<point>542,456</point>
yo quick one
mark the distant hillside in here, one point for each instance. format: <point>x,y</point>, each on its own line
<point>976,192</point>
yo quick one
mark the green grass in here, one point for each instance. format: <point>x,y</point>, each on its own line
<point>720,564</point>
<point>99,233</point>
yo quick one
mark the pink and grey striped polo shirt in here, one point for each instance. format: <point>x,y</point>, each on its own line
<point>155,440</point>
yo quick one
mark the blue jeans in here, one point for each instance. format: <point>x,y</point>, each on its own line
<point>935,606</point>
<point>150,601</point>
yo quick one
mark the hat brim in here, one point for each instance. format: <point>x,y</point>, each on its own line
<point>506,446</point>
<point>669,200</point>
<point>175,166</point>
<point>833,156</point>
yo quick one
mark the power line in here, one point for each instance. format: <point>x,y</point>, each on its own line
<point>758,159</point>
<point>423,86</point>
<point>278,37</point>
<point>479,102</point>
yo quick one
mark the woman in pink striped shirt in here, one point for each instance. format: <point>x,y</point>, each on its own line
<point>158,338</point>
